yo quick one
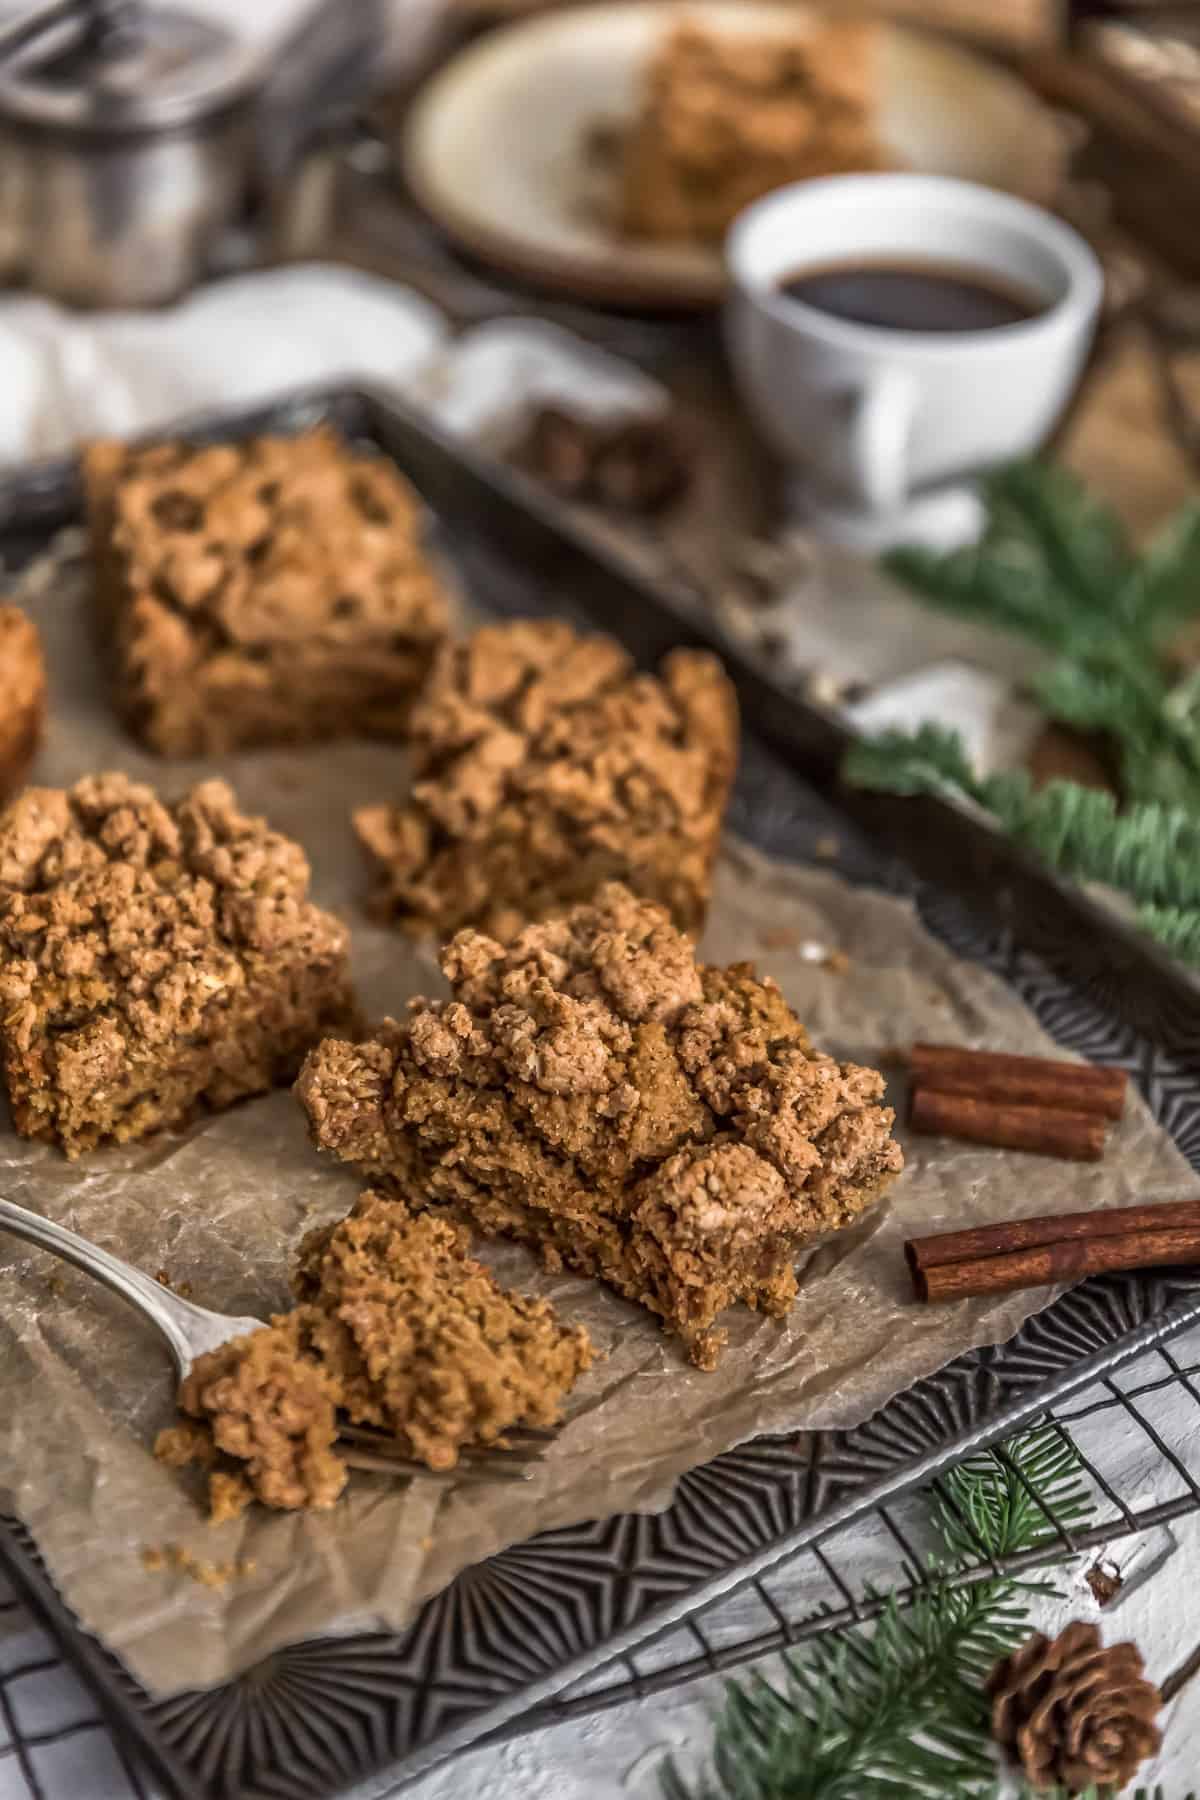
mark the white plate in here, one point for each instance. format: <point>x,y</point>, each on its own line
<point>495,146</point>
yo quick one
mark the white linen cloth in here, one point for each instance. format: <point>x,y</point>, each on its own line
<point>67,375</point>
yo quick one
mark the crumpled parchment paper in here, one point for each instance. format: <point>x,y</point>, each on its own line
<point>85,1385</point>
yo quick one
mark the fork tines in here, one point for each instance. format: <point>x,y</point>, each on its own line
<point>510,1458</point>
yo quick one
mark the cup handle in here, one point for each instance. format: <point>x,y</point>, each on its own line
<point>881,419</point>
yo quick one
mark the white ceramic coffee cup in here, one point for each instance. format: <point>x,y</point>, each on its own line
<point>881,425</point>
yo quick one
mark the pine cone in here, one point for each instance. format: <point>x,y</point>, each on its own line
<point>1072,1713</point>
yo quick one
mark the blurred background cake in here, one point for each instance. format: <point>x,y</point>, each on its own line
<point>725,119</point>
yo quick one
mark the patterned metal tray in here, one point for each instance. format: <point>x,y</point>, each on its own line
<point>507,1636</point>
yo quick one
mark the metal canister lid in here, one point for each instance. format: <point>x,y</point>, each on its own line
<point>127,68</point>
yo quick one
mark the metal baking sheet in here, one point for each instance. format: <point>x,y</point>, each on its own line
<point>508,1635</point>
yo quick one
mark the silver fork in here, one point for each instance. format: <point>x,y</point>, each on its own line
<point>191,1331</point>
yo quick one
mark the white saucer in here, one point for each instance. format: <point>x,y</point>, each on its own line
<point>495,146</point>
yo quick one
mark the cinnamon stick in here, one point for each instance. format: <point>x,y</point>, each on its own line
<point>1071,1259</point>
<point>1045,1130</point>
<point>1010,1235</point>
<point>1018,1080</point>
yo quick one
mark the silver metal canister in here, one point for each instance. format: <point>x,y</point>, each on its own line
<point>126,149</point>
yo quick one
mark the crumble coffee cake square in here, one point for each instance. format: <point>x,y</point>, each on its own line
<point>545,764</point>
<point>636,1115</point>
<point>274,591</point>
<point>154,958</point>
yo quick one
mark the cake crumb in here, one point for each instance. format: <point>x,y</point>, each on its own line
<point>183,1288</point>
<point>180,1560</point>
<point>827,848</point>
<point>823,956</point>
<point>206,1574</point>
<point>779,937</point>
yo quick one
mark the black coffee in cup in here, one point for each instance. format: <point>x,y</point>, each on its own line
<point>913,296</point>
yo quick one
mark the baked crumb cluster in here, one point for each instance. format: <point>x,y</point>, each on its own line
<point>398,1328</point>
<point>271,591</point>
<point>727,118</point>
<point>594,1091</point>
<point>546,765</point>
<point>153,958</point>
<point>22,697</point>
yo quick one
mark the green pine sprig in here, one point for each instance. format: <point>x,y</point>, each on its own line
<point>897,1711</point>
<point>1150,852</point>
<point>1175,927</point>
<point>1055,566</point>
<point>1001,1501</point>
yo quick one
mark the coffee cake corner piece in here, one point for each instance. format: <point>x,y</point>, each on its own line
<point>154,959</point>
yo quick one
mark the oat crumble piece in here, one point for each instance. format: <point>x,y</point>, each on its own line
<point>726,118</point>
<point>546,765</point>
<point>274,591</point>
<point>22,697</point>
<point>398,1328</point>
<point>154,959</point>
<point>637,1116</point>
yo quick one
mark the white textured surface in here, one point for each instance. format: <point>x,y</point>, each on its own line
<point>619,1753</point>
